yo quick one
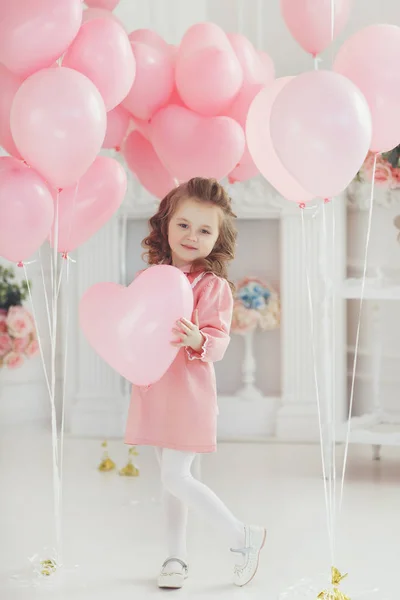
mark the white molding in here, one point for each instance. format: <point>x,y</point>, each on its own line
<point>241,420</point>
<point>358,196</point>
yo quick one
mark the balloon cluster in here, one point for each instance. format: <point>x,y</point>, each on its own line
<point>61,70</point>
<point>309,135</point>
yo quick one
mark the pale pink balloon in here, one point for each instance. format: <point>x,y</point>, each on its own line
<point>117,126</point>
<point>370,59</point>
<point>130,327</point>
<point>26,210</point>
<point>35,33</point>
<point>203,35</point>
<point>9,84</point>
<point>58,122</point>
<point>100,13</point>
<point>268,67</point>
<point>261,148</point>
<point>246,169</point>
<point>106,4</point>
<point>321,129</point>
<point>315,24</point>
<point>84,208</point>
<point>151,38</point>
<point>190,145</point>
<point>143,161</point>
<point>154,81</point>
<point>208,80</point>
<point>103,52</point>
<point>250,60</point>
<point>144,127</point>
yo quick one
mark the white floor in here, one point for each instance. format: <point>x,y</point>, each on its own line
<point>113,535</point>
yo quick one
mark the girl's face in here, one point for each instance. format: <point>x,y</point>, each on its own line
<point>193,231</point>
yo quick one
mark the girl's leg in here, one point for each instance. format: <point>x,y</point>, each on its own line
<point>176,515</point>
<point>178,481</point>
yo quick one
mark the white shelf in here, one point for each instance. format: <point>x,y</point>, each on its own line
<point>374,289</point>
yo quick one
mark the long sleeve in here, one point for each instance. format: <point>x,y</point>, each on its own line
<point>215,307</point>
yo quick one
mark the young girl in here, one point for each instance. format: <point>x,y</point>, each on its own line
<point>194,231</point>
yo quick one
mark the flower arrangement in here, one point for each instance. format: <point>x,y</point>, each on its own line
<point>256,305</point>
<point>387,171</point>
<point>18,339</point>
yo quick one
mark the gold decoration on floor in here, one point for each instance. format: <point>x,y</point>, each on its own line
<point>335,593</point>
<point>106,464</point>
<point>48,567</point>
<point>130,470</point>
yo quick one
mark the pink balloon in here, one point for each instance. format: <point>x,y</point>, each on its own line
<point>151,38</point>
<point>203,35</point>
<point>142,160</point>
<point>246,169</point>
<point>117,127</point>
<point>250,60</point>
<point>85,207</point>
<point>106,4</point>
<point>100,13</point>
<point>310,23</point>
<point>208,80</point>
<point>321,129</point>
<point>102,52</point>
<point>190,145</point>
<point>261,148</point>
<point>9,84</point>
<point>26,210</point>
<point>58,122</point>
<point>131,328</point>
<point>369,59</point>
<point>268,67</point>
<point>35,33</point>
<point>154,81</point>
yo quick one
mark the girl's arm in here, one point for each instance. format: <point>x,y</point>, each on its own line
<point>215,307</point>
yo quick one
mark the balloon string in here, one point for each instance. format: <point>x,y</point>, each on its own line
<point>46,297</point>
<point>314,357</point>
<point>367,243</point>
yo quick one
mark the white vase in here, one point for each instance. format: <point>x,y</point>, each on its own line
<point>249,367</point>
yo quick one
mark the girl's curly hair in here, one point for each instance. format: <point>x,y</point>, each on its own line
<point>204,190</point>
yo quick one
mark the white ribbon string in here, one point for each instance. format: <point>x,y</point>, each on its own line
<point>367,241</point>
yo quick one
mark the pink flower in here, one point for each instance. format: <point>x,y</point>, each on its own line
<point>383,172</point>
<point>5,344</point>
<point>396,178</point>
<point>19,322</point>
<point>20,344</point>
<point>13,360</point>
<point>32,349</point>
<point>243,320</point>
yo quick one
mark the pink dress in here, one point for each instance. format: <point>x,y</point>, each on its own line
<point>180,410</point>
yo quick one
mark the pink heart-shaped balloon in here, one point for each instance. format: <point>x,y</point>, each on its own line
<point>190,145</point>
<point>131,327</point>
<point>85,207</point>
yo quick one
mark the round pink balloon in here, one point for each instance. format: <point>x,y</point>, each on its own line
<point>208,80</point>
<point>203,35</point>
<point>369,59</point>
<point>99,13</point>
<point>268,66</point>
<point>106,4</point>
<point>151,38</point>
<point>58,122</point>
<point>131,327</point>
<point>9,84</point>
<point>246,169</point>
<point>321,129</point>
<point>84,208</point>
<point>142,160</point>
<point>102,52</point>
<point>154,81</point>
<point>314,25</point>
<point>262,150</point>
<point>35,33</point>
<point>26,210</point>
<point>253,65</point>
<point>117,127</point>
<point>193,146</point>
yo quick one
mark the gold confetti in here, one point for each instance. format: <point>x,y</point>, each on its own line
<point>49,566</point>
<point>106,464</point>
<point>130,470</point>
<point>334,593</point>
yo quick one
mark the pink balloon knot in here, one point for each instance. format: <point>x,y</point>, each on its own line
<point>59,190</point>
<point>326,200</point>
<point>20,264</point>
<point>65,255</point>
<point>118,148</point>
<point>302,205</point>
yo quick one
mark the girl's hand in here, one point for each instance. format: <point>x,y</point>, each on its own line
<point>189,334</point>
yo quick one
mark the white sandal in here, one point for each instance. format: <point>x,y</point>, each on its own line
<point>174,579</point>
<point>254,543</point>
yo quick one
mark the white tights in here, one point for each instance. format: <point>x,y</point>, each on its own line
<point>182,491</point>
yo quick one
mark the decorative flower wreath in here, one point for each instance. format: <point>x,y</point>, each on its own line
<point>256,305</point>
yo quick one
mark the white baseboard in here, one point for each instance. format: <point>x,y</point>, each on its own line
<point>246,420</point>
<point>95,417</point>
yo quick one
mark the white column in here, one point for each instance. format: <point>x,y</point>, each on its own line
<point>98,405</point>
